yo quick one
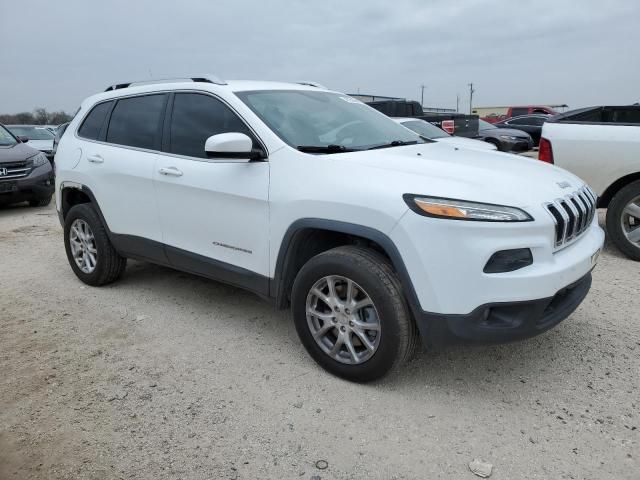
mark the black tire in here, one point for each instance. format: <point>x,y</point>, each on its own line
<point>497,144</point>
<point>40,202</point>
<point>373,272</point>
<point>109,264</point>
<point>614,220</point>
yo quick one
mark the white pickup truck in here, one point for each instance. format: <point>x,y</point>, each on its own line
<point>601,145</point>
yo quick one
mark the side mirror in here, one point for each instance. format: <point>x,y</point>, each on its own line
<point>23,139</point>
<point>231,145</point>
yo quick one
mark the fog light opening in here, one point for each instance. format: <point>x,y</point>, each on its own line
<point>509,260</point>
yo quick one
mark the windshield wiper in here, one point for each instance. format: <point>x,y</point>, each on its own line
<point>395,143</point>
<point>325,149</point>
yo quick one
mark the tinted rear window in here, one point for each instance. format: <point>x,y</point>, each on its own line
<point>135,121</point>
<point>92,125</point>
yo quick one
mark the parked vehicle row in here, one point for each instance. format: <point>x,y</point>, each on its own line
<point>500,114</point>
<point>38,137</point>
<point>428,130</point>
<point>375,236</point>
<point>457,124</point>
<point>25,173</point>
<point>602,146</point>
<point>531,124</point>
<point>505,139</point>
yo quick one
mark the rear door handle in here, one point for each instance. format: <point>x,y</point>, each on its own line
<point>95,159</point>
<point>173,171</point>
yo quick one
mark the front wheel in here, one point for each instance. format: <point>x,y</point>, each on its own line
<point>623,220</point>
<point>350,314</point>
<point>496,143</point>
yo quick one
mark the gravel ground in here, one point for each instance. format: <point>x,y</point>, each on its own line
<point>167,375</point>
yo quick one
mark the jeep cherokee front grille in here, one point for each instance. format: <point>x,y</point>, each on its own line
<point>572,215</point>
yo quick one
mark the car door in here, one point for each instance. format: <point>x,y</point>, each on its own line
<point>214,212</point>
<point>122,162</point>
<point>524,124</point>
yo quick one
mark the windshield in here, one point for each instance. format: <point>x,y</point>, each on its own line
<point>425,129</point>
<point>483,125</point>
<point>329,122</point>
<point>6,139</point>
<point>32,133</point>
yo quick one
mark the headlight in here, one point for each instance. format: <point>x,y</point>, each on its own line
<point>464,210</point>
<point>39,159</point>
<point>508,137</point>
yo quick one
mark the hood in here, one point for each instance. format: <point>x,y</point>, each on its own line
<point>463,142</point>
<point>505,131</point>
<point>17,153</point>
<point>441,170</point>
<point>41,144</point>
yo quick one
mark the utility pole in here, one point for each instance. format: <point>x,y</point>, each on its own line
<point>422,96</point>
<point>471,90</point>
<point>457,102</point>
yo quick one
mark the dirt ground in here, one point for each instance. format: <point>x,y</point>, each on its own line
<point>164,375</point>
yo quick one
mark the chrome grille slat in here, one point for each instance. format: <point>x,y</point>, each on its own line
<point>572,215</point>
<point>15,170</point>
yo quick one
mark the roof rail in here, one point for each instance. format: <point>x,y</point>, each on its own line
<point>200,79</point>
<point>312,84</point>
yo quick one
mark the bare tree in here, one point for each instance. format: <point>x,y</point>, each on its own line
<point>39,116</point>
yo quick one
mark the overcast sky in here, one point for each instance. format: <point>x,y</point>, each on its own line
<point>581,53</point>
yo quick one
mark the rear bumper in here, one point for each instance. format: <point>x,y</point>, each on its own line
<point>503,322</point>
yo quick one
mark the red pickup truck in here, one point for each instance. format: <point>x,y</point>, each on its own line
<point>497,114</point>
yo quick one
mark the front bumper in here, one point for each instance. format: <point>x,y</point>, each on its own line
<point>40,183</point>
<point>503,322</point>
<point>520,145</point>
<point>451,296</point>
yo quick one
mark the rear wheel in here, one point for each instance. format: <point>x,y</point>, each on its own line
<point>89,251</point>
<point>350,314</point>
<point>623,220</point>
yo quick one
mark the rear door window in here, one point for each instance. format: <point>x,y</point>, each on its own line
<point>195,118</point>
<point>92,125</point>
<point>136,121</point>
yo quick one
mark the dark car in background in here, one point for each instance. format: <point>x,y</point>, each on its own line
<point>57,135</point>
<point>505,139</point>
<point>38,137</point>
<point>532,124</point>
<point>26,175</point>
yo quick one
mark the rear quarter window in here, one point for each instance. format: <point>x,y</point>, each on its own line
<point>92,125</point>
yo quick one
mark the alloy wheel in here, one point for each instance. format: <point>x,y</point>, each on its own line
<point>631,221</point>
<point>83,246</point>
<point>343,320</point>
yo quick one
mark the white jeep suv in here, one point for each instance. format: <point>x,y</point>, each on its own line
<point>372,235</point>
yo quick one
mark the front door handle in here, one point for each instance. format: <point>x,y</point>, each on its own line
<point>95,159</point>
<point>173,171</point>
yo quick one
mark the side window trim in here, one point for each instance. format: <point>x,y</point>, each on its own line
<point>166,129</point>
<point>102,135</point>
